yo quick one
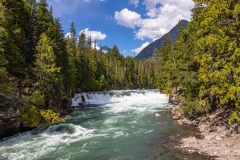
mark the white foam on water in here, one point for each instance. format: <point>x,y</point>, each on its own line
<point>91,98</point>
<point>27,146</point>
<point>122,101</point>
<point>127,97</point>
<point>149,131</point>
<point>120,134</point>
<point>157,115</point>
<point>148,101</point>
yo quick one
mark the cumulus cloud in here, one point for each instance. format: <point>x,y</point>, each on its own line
<point>94,35</point>
<point>127,18</point>
<point>139,49</point>
<point>161,16</point>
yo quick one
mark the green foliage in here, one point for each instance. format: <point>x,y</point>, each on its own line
<point>166,65</point>
<point>43,18</point>
<point>93,70</point>
<point>71,41</point>
<point>13,35</point>
<point>31,116</point>
<point>102,82</point>
<point>204,62</point>
<point>217,52</point>
<point>33,59</point>
<point>234,118</point>
<point>35,117</point>
<point>37,98</point>
<point>50,117</point>
<point>48,74</point>
<point>46,69</point>
<point>34,114</point>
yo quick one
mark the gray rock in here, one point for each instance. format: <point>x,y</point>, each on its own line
<point>10,116</point>
<point>213,128</point>
<point>238,129</point>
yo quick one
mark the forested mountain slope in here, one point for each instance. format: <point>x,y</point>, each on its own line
<point>147,52</point>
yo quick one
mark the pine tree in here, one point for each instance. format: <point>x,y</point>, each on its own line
<point>89,43</point>
<point>14,19</point>
<point>46,70</point>
<point>5,86</point>
<point>81,47</point>
<point>165,63</point>
<point>81,61</point>
<point>156,55</point>
<point>43,18</point>
<point>55,33</point>
<point>71,41</point>
<point>30,25</point>
<point>116,54</point>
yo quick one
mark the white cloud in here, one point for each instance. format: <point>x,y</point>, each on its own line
<point>139,49</point>
<point>134,2</point>
<point>162,15</point>
<point>127,18</point>
<point>95,46</point>
<point>68,35</point>
<point>95,35</point>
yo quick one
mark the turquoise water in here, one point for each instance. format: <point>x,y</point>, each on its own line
<point>136,126</point>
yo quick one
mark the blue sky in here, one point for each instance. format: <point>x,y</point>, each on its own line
<point>129,24</point>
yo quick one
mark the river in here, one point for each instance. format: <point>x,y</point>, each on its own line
<point>129,125</point>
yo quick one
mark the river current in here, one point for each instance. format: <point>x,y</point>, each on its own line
<point>125,125</point>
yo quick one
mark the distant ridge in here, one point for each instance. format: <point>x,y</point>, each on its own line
<point>147,52</point>
<point>105,49</point>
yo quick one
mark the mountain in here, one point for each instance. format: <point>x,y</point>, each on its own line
<point>105,49</point>
<point>147,52</point>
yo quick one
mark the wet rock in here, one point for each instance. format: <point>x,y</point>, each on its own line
<point>175,97</point>
<point>9,126</point>
<point>10,115</point>
<point>176,112</point>
<point>184,121</point>
<point>234,129</point>
<point>238,129</point>
<point>213,128</point>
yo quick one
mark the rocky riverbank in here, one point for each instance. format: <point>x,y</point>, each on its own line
<point>10,115</point>
<point>217,138</point>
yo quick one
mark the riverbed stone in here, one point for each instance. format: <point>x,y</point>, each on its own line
<point>218,138</point>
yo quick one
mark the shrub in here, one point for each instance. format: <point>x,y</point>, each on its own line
<point>34,117</point>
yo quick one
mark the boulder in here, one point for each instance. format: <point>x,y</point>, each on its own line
<point>10,115</point>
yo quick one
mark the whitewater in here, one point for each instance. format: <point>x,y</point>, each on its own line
<point>124,125</point>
